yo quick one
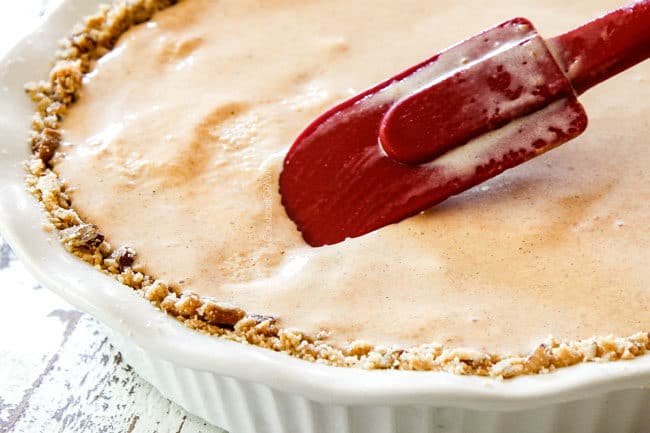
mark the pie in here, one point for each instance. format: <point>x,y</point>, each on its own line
<point>157,144</point>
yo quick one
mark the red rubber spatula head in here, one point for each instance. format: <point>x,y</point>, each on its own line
<point>437,129</point>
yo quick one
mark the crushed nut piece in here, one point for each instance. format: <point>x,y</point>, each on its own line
<point>124,256</point>
<point>221,314</point>
<point>85,237</point>
<point>45,144</point>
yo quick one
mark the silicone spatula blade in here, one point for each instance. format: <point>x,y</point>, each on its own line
<point>451,122</point>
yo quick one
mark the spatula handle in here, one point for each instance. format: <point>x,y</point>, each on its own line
<point>602,48</point>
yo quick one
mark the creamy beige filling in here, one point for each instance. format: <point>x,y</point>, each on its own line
<point>177,141</point>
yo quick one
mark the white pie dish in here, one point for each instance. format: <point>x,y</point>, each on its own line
<point>245,388</point>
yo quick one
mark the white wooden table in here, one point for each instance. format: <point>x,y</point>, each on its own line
<point>58,370</point>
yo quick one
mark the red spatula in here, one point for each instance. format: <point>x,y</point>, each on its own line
<point>452,122</point>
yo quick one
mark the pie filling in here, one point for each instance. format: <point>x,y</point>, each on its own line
<point>177,139</point>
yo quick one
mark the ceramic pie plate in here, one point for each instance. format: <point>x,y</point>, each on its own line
<point>247,389</point>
